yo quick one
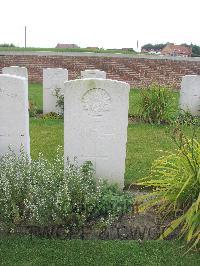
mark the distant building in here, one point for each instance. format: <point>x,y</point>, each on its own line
<point>93,47</point>
<point>127,49</point>
<point>176,50</point>
<point>68,45</point>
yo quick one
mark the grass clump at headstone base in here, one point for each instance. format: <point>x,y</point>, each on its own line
<point>40,251</point>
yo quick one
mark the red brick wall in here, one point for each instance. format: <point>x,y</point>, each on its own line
<point>138,72</point>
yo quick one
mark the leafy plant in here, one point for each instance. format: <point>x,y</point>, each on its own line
<point>42,193</point>
<point>186,118</point>
<point>175,180</point>
<point>60,100</point>
<point>51,115</point>
<point>32,108</point>
<point>156,104</point>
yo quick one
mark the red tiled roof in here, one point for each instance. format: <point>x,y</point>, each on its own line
<point>176,49</point>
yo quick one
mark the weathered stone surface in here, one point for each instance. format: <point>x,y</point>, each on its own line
<point>93,73</point>
<point>53,78</point>
<point>96,119</point>
<point>14,115</point>
<point>16,70</point>
<point>190,94</point>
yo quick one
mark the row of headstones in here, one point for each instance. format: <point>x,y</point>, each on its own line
<point>95,122</point>
<point>54,78</point>
<point>53,81</point>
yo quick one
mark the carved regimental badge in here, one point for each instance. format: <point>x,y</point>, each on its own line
<point>96,101</point>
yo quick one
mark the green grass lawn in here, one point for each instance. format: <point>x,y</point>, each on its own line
<point>39,251</point>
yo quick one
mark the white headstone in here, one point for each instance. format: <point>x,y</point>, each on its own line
<point>190,94</point>
<point>14,115</point>
<point>16,70</point>
<point>53,78</point>
<point>93,73</point>
<point>95,125</point>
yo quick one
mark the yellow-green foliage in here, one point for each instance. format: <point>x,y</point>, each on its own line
<point>175,179</point>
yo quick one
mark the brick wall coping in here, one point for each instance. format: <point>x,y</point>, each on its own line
<point>91,54</point>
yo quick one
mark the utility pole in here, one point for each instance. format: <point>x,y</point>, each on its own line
<point>137,45</point>
<point>25,38</point>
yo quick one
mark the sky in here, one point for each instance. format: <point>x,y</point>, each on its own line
<point>105,23</point>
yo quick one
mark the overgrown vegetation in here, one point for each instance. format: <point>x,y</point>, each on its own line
<point>156,104</point>
<point>175,180</point>
<point>42,193</point>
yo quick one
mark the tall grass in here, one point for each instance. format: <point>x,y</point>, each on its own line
<point>156,104</point>
<point>175,179</point>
